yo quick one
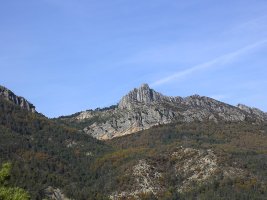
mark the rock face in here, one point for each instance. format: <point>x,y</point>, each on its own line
<point>143,108</point>
<point>20,101</point>
<point>146,180</point>
<point>55,194</point>
<point>255,111</point>
<point>195,165</point>
<point>143,95</point>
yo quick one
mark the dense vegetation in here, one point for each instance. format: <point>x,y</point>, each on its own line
<point>46,153</point>
<point>7,192</point>
<point>242,145</point>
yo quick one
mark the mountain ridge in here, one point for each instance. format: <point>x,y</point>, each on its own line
<point>143,108</point>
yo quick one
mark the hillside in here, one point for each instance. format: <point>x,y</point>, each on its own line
<point>46,155</point>
<point>198,160</point>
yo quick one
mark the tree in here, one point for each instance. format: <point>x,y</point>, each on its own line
<point>10,193</point>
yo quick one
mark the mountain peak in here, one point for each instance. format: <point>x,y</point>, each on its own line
<point>145,86</point>
<point>20,101</point>
<point>144,94</point>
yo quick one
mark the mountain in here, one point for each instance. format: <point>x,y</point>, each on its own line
<point>143,108</point>
<point>54,159</point>
<point>20,101</point>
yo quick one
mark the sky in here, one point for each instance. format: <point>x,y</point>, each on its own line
<point>66,56</point>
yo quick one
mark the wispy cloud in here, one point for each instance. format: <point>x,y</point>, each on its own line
<point>249,26</point>
<point>222,60</point>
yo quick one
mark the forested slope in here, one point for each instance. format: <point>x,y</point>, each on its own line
<point>46,154</point>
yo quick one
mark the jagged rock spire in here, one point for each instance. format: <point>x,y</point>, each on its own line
<point>144,94</point>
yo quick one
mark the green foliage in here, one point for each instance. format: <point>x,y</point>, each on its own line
<point>40,155</point>
<point>7,193</point>
<point>10,193</point>
<point>5,172</point>
<point>117,158</point>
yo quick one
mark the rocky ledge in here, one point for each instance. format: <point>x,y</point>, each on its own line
<point>20,101</point>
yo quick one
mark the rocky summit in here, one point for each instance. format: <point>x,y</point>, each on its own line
<point>143,108</point>
<point>143,95</point>
<point>20,101</point>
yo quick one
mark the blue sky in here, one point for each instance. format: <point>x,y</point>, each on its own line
<point>71,55</point>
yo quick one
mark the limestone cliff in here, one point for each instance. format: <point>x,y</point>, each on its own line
<point>20,101</point>
<point>143,108</point>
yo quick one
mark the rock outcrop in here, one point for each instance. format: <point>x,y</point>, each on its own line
<point>55,194</point>
<point>143,95</point>
<point>189,166</point>
<point>146,180</point>
<point>20,101</point>
<point>143,108</point>
<point>254,111</point>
